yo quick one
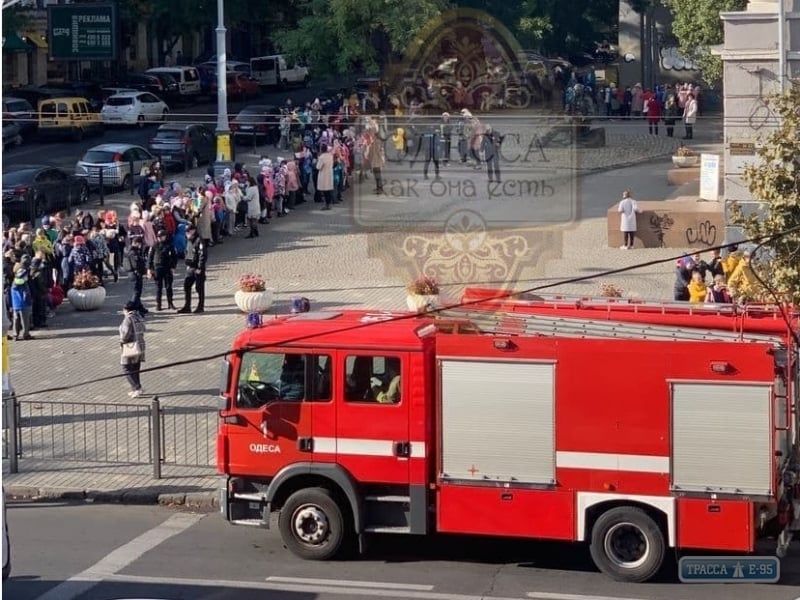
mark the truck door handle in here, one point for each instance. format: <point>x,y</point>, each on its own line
<point>305,444</point>
<point>402,449</point>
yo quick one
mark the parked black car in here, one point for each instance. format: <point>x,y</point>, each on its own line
<point>32,191</point>
<point>22,113</point>
<point>184,144</point>
<point>163,85</point>
<point>260,121</point>
<point>12,133</point>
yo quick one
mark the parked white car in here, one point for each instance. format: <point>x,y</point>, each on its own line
<point>133,108</point>
<point>120,164</point>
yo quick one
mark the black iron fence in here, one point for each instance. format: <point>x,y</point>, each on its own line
<point>126,434</point>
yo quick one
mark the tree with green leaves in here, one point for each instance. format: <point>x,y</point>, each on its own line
<point>15,19</point>
<point>552,26</point>
<point>697,26</point>
<point>364,33</point>
<point>774,182</point>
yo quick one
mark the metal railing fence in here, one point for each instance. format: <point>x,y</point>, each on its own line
<point>124,434</point>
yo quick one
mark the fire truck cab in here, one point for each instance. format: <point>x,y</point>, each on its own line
<point>516,420</point>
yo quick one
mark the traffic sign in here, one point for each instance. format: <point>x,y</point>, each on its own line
<point>729,569</point>
<point>82,31</point>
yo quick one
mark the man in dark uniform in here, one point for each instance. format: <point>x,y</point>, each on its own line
<point>138,269</point>
<point>428,145</point>
<point>196,258</point>
<point>160,262</point>
<point>492,140</point>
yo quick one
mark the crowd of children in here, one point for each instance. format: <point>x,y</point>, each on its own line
<point>721,279</point>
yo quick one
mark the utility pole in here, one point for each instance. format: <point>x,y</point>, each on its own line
<point>782,45</point>
<point>224,141</point>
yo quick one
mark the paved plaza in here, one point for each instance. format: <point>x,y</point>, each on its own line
<point>336,260</point>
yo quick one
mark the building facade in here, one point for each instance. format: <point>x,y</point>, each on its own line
<point>751,74</point>
<point>648,52</point>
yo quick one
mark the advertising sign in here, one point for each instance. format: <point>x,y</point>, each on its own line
<point>82,31</point>
<point>709,177</point>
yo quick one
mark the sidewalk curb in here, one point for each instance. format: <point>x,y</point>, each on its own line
<point>206,500</point>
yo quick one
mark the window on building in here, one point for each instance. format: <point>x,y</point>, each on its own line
<point>372,379</point>
<point>266,377</point>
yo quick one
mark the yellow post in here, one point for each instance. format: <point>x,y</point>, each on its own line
<point>224,153</point>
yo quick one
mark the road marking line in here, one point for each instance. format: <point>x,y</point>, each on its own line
<point>404,594</point>
<point>557,596</point>
<point>351,583</point>
<point>120,558</point>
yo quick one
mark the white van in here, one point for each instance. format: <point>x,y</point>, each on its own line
<point>187,77</point>
<point>272,71</point>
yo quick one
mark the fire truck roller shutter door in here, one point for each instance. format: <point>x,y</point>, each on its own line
<point>517,434</point>
<point>300,475</point>
<point>722,438</point>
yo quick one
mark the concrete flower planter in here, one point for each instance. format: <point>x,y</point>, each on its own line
<point>254,302</point>
<point>685,161</point>
<point>90,299</point>
<point>421,303</point>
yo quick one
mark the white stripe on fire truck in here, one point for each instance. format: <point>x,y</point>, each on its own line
<point>362,447</point>
<point>599,461</point>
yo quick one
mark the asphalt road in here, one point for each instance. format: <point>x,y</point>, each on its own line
<point>103,552</point>
<point>66,154</point>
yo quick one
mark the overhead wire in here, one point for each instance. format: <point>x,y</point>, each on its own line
<point>390,316</point>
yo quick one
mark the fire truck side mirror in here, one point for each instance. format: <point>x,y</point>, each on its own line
<point>225,379</point>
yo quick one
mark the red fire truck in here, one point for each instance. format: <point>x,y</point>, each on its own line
<point>635,427</point>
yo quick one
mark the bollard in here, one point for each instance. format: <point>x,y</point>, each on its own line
<point>11,418</point>
<point>255,141</point>
<point>155,429</point>
<point>133,183</point>
<point>100,184</point>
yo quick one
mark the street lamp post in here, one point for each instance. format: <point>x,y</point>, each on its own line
<point>224,145</point>
<point>782,45</point>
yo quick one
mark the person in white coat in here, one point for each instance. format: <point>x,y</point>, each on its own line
<point>690,116</point>
<point>253,206</point>
<point>628,209</point>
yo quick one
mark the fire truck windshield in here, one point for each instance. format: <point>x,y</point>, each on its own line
<point>269,377</point>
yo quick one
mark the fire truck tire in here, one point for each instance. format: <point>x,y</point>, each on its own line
<point>312,525</point>
<point>627,545</point>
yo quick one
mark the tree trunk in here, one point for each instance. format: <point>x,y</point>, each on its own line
<point>642,30</point>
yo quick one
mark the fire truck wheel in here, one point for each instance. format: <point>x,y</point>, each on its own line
<point>312,524</point>
<point>627,545</point>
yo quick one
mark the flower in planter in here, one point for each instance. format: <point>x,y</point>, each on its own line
<point>684,151</point>
<point>609,290</point>
<point>423,286</point>
<point>252,283</point>
<point>85,280</point>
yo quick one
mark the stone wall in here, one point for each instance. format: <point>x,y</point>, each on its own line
<point>680,223</point>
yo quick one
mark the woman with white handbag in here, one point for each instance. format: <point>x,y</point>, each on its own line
<point>131,340</point>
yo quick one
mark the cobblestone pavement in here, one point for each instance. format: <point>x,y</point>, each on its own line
<point>317,254</point>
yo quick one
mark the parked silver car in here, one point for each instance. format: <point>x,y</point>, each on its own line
<point>120,164</point>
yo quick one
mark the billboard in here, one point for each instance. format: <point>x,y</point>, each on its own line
<point>82,31</point>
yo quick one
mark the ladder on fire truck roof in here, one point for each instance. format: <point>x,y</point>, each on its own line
<point>517,323</point>
<point>635,305</point>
